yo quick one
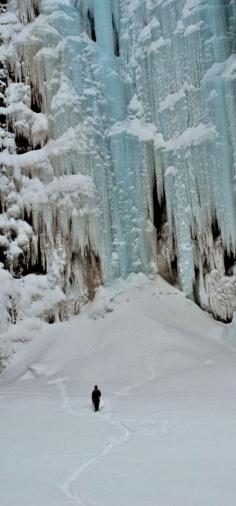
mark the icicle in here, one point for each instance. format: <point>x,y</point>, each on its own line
<point>27,10</point>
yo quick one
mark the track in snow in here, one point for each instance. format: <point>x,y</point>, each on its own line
<point>73,477</point>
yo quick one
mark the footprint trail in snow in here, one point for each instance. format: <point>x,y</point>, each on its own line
<point>68,486</point>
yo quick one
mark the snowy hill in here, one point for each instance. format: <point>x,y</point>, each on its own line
<point>165,435</point>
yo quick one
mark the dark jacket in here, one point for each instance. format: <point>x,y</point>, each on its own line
<point>96,395</point>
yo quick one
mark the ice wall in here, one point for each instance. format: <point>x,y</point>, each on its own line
<point>184,66</point>
<point>118,143</point>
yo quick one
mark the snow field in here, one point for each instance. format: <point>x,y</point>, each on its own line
<point>165,435</point>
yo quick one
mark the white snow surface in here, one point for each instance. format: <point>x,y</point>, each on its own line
<point>165,435</point>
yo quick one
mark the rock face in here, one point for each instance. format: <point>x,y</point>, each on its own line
<point>118,140</point>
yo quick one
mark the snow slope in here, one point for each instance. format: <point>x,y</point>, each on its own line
<point>166,433</point>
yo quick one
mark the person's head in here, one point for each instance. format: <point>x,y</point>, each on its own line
<point>95,388</point>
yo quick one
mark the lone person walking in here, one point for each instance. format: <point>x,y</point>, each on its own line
<point>96,394</point>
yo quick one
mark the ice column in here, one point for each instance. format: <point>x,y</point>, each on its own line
<point>130,245</point>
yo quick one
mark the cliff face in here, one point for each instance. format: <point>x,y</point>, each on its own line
<point>117,128</point>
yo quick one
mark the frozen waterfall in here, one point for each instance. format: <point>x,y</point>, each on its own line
<point>118,150</point>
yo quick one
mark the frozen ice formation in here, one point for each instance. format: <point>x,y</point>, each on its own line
<point>118,148</point>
